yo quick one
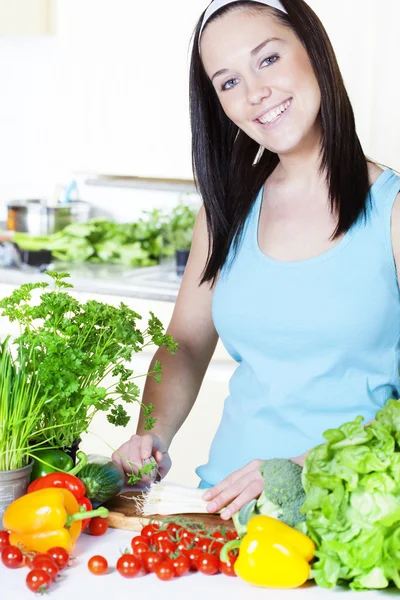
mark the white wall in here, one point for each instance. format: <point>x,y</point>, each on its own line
<point>43,107</point>
<point>29,144</point>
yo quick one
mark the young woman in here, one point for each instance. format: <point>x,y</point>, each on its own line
<point>294,255</point>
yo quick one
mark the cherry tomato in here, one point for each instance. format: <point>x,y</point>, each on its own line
<point>199,535</point>
<point>150,559</point>
<point>97,526</point>
<point>166,547</point>
<point>46,564</point>
<point>39,558</point>
<point>97,565</point>
<point>60,556</point>
<point>12,557</point>
<point>227,568</point>
<point>129,565</point>
<point>149,530</point>
<point>4,539</point>
<point>139,548</point>
<point>140,541</point>
<point>186,538</point>
<point>194,554</point>
<point>204,544</point>
<point>165,570</point>
<point>208,564</point>
<point>181,565</point>
<point>160,536</point>
<point>38,581</point>
<point>218,535</point>
<point>215,547</point>
<point>231,535</point>
<point>173,530</point>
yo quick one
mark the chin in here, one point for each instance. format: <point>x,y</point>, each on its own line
<point>286,144</point>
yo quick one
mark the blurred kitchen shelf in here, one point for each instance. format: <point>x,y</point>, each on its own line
<point>155,283</point>
<point>145,183</point>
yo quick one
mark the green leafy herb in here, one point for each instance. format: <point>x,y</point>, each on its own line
<point>134,478</point>
<point>75,347</point>
<point>352,508</point>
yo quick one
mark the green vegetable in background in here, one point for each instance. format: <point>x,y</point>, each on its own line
<point>281,498</point>
<point>137,244</point>
<point>180,226</point>
<point>352,508</point>
<point>70,348</point>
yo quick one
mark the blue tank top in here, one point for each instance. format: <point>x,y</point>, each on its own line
<point>316,341</point>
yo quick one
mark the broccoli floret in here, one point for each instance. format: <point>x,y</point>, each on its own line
<point>282,497</point>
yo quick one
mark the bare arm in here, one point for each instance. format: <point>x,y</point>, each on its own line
<point>182,373</point>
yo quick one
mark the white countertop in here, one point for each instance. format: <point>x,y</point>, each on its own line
<point>78,583</point>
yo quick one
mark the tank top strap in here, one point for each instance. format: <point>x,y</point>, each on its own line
<point>383,195</point>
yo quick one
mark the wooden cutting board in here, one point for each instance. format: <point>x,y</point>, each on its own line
<point>123,515</point>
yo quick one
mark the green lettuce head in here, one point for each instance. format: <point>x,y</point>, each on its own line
<point>352,507</point>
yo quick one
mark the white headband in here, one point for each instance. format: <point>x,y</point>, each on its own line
<point>217,4</point>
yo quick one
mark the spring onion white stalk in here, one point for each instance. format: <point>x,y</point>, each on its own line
<point>168,498</point>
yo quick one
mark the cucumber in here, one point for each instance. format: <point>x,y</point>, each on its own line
<point>103,479</point>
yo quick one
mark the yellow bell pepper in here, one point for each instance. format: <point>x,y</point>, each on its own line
<point>272,554</point>
<point>46,518</point>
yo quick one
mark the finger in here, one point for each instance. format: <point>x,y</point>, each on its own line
<point>249,493</point>
<point>146,447</point>
<point>235,490</point>
<point>121,457</point>
<point>227,494</point>
<point>158,455</point>
<point>213,492</point>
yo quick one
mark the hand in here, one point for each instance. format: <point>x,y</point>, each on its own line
<point>131,455</point>
<point>236,490</point>
<point>299,460</point>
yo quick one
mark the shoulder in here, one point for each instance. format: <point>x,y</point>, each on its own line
<point>374,171</point>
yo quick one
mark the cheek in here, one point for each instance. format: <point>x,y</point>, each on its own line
<point>232,105</point>
<point>306,83</point>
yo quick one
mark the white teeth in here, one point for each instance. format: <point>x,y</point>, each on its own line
<point>273,114</point>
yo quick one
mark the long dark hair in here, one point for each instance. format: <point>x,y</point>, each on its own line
<point>223,157</point>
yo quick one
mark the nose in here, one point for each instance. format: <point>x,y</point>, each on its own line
<point>256,91</point>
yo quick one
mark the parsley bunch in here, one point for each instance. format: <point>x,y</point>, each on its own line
<point>76,346</point>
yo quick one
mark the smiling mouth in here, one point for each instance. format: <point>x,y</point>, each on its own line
<point>274,114</point>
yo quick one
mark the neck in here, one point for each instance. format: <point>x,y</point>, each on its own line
<point>300,168</point>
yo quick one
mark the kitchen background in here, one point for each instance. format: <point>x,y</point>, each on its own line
<point>95,91</point>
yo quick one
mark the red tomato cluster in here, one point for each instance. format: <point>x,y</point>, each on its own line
<point>168,550</point>
<point>172,550</point>
<point>44,567</point>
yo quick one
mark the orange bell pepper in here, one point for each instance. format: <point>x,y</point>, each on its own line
<point>46,518</point>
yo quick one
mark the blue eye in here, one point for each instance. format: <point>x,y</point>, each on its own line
<point>272,59</point>
<point>228,85</point>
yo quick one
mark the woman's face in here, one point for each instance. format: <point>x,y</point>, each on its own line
<point>267,88</point>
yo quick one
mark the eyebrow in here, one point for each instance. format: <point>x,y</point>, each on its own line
<point>255,51</point>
